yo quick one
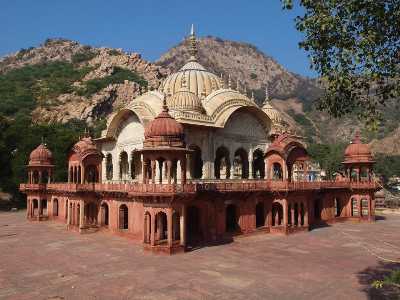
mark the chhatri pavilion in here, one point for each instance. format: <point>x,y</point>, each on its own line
<point>196,162</point>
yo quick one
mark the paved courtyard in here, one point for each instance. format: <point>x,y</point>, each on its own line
<point>44,261</point>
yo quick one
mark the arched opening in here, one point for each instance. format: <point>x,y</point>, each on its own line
<point>353,175</point>
<point>296,214</point>
<point>123,166</point>
<point>44,207</point>
<point>109,167</point>
<point>45,177</point>
<point>364,207</point>
<point>231,218</point>
<point>338,207</point>
<point>364,174</point>
<point>196,162</point>
<point>258,164</point>
<point>136,168</point>
<point>35,177</point>
<point>55,207</point>
<point>222,164</point>
<point>161,226</point>
<point>176,226</point>
<point>318,209</point>
<point>91,213</point>
<point>277,173</point>
<point>104,214</point>
<point>289,214</point>
<point>79,179</point>
<point>147,228</point>
<point>240,164</point>
<point>302,213</point>
<point>277,214</point>
<point>35,207</point>
<point>123,217</point>
<point>354,207</point>
<point>193,226</point>
<point>91,174</point>
<point>71,174</point>
<point>260,215</point>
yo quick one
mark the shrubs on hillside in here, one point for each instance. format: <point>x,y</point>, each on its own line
<point>24,88</point>
<point>119,75</point>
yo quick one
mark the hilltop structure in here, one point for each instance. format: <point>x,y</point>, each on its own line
<point>195,162</point>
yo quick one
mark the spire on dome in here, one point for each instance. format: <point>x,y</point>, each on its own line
<point>357,138</point>
<point>165,106</point>
<point>266,94</point>
<point>193,45</point>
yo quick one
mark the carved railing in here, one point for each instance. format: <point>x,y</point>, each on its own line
<point>200,186</point>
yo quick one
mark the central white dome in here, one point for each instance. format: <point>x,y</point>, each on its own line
<point>198,81</point>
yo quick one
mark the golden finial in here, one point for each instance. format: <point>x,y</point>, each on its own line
<point>252,95</point>
<point>222,81</point>
<point>238,85</point>
<point>229,81</point>
<point>266,93</point>
<point>193,45</point>
<point>165,106</point>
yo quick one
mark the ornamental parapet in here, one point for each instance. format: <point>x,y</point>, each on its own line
<point>140,189</point>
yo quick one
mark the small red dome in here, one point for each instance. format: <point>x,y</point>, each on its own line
<point>163,125</point>
<point>86,146</point>
<point>41,156</point>
<point>357,151</point>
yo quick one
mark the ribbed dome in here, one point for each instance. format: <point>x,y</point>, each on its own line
<point>186,101</point>
<point>41,156</point>
<point>163,126</point>
<point>199,81</point>
<point>272,112</point>
<point>357,151</point>
<point>85,144</point>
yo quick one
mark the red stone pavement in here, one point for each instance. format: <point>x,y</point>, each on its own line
<point>44,261</point>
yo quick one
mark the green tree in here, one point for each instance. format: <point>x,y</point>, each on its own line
<point>354,46</point>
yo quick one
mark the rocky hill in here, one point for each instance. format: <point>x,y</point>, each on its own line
<point>106,82</point>
<point>92,82</point>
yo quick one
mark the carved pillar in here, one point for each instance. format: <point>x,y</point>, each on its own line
<point>152,228</point>
<point>178,171</point>
<point>182,224</point>
<point>68,214</point>
<point>231,169</point>
<point>169,225</point>
<point>285,214</point>
<point>82,215</point>
<point>144,172</point>
<point>306,213</point>
<point>292,221</point>
<point>39,207</point>
<point>153,171</point>
<point>250,164</point>
<point>157,174</point>
<point>169,169</point>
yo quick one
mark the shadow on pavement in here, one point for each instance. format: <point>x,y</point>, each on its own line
<point>370,274</point>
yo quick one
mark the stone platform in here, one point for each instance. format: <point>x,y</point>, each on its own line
<point>45,261</point>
